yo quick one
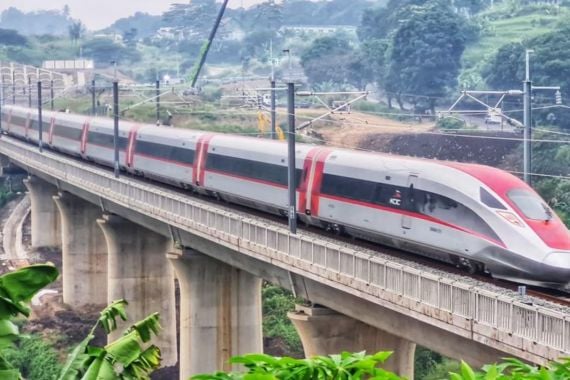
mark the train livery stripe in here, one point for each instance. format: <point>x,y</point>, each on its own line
<point>198,173</point>
<point>84,134</point>
<point>132,145</point>
<point>317,180</point>
<point>51,128</point>
<point>304,185</point>
<point>415,216</point>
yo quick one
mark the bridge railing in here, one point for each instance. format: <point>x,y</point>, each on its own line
<point>484,315</point>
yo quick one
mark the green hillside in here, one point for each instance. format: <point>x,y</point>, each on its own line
<point>503,23</point>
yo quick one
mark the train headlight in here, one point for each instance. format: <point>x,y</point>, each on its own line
<point>511,218</point>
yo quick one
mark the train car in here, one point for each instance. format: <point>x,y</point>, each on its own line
<point>473,216</point>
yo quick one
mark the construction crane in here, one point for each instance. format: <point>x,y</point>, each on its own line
<point>206,46</point>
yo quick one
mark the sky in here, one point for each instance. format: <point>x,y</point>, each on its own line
<point>98,14</point>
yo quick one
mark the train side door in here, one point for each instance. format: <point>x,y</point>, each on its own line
<point>407,219</point>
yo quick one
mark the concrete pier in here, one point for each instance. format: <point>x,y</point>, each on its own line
<point>46,223</point>
<point>324,332</point>
<point>220,313</point>
<point>84,252</point>
<point>139,272</point>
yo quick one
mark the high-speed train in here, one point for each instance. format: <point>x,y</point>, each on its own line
<point>474,216</point>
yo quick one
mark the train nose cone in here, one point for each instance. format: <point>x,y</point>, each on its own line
<point>556,266</point>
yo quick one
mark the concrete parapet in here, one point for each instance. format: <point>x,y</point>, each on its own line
<point>324,332</point>
<point>138,271</point>
<point>84,252</point>
<point>46,223</point>
<point>220,313</point>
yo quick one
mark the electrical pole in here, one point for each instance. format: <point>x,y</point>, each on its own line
<point>40,119</point>
<point>157,101</point>
<point>116,126</point>
<point>273,105</point>
<point>29,91</point>
<point>291,180</point>
<point>527,100</point>
<point>93,104</point>
<point>13,86</point>
<point>51,97</point>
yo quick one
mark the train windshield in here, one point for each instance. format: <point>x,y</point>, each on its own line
<point>530,205</point>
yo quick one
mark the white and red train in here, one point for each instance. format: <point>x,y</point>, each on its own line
<point>475,216</point>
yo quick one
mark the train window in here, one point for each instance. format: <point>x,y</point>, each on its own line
<point>67,132</point>
<point>347,187</point>
<point>17,120</point>
<point>530,204</point>
<point>449,211</point>
<point>383,194</point>
<point>251,169</point>
<point>106,140</point>
<point>489,200</point>
<point>167,152</point>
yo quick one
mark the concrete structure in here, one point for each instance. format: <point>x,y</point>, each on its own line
<point>84,252</point>
<point>452,317</point>
<point>139,272</point>
<point>220,313</point>
<point>46,224</point>
<point>325,332</point>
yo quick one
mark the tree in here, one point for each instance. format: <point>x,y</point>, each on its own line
<point>345,366</point>
<point>425,57</point>
<point>327,59</point>
<point>195,18</point>
<point>16,291</point>
<point>103,51</point>
<point>12,37</point>
<point>130,37</point>
<point>550,67</point>
<point>76,30</point>
<point>129,357</point>
<point>506,69</point>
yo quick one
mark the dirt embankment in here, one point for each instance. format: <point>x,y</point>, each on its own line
<point>418,140</point>
<point>479,148</point>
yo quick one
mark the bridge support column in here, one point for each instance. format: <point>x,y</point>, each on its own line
<point>84,252</point>
<point>46,224</point>
<point>324,332</point>
<point>138,271</point>
<point>220,313</point>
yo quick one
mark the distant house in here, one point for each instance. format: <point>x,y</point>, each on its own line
<point>317,30</point>
<point>115,37</point>
<point>169,33</point>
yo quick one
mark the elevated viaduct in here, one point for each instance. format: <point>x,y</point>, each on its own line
<point>127,238</point>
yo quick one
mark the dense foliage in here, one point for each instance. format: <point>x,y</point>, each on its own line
<point>347,366</point>
<point>550,67</point>
<point>16,291</point>
<point>35,358</point>
<point>277,302</point>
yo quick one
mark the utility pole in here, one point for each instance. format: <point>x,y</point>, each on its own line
<point>527,120</point>
<point>157,101</point>
<point>51,96</point>
<point>273,105</point>
<point>13,86</point>
<point>116,126</point>
<point>29,91</point>
<point>93,104</point>
<point>40,119</point>
<point>291,180</point>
